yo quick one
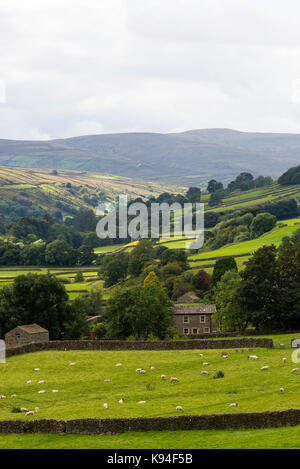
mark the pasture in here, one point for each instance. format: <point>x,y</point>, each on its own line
<point>83,390</point>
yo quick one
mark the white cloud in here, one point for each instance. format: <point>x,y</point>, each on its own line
<point>75,67</point>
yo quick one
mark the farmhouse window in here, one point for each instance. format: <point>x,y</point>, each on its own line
<point>202,318</point>
<point>206,329</point>
<point>186,331</point>
<point>195,331</point>
<point>186,319</point>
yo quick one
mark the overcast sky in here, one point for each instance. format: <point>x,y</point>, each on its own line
<point>78,67</point>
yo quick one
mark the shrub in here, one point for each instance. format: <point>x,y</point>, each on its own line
<point>219,375</point>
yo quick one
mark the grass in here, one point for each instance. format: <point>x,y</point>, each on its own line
<point>82,390</point>
<point>273,438</point>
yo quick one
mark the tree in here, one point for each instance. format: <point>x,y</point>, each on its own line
<point>139,311</point>
<point>193,194</point>
<point>142,254</point>
<point>214,186</point>
<point>290,177</point>
<point>220,268</point>
<point>85,220</point>
<point>230,315</point>
<point>201,281</point>
<point>216,198</point>
<point>79,277</point>
<point>152,279</point>
<point>85,255</point>
<point>60,253</point>
<point>262,223</point>
<point>33,298</point>
<point>259,293</point>
<point>114,268</point>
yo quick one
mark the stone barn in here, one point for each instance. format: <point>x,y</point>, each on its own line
<point>23,335</point>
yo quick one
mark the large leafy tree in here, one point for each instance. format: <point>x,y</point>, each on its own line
<point>221,266</point>
<point>230,315</point>
<point>140,311</point>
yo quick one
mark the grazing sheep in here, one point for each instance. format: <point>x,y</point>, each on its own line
<point>2,397</point>
<point>295,370</point>
<point>174,380</point>
<point>23,409</point>
<point>119,364</point>
<point>105,406</point>
<point>36,369</point>
<point>13,395</point>
<point>281,345</point>
<point>55,390</point>
<point>233,405</point>
<point>121,401</point>
<point>138,370</point>
<point>253,357</point>
<point>281,390</point>
<point>152,368</point>
<point>72,364</point>
<point>142,372</point>
<point>204,373</point>
<point>29,381</point>
<point>163,377</point>
<point>201,355</point>
<point>264,368</point>
<point>31,412</point>
<point>36,409</point>
<point>143,402</point>
<point>225,356</point>
<point>179,408</point>
<point>41,392</point>
<point>42,382</point>
<point>205,364</point>
<point>107,381</point>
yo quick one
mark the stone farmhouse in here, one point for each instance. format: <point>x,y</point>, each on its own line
<point>194,319</point>
<point>23,335</point>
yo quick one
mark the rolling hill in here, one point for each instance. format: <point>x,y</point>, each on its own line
<point>188,158</point>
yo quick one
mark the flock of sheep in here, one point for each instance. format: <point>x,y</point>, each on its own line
<point>142,371</point>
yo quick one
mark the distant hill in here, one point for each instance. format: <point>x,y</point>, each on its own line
<point>187,158</point>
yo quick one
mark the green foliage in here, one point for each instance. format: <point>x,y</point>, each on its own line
<point>79,277</point>
<point>230,315</point>
<point>290,177</point>
<point>220,268</point>
<point>262,223</point>
<point>100,330</point>
<point>193,194</point>
<point>219,375</point>
<point>152,279</point>
<point>114,268</point>
<point>60,253</point>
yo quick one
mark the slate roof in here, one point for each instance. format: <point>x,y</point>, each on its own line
<point>194,309</point>
<point>32,329</point>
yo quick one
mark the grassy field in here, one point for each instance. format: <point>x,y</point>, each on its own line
<point>274,438</point>
<point>82,390</point>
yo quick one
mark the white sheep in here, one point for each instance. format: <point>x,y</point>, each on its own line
<point>284,360</point>
<point>295,370</point>
<point>72,364</point>
<point>105,406</point>
<point>29,381</point>
<point>36,409</point>
<point>36,369</point>
<point>142,402</point>
<point>107,381</point>
<point>264,368</point>
<point>138,370</point>
<point>163,377</point>
<point>31,412</point>
<point>55,390</point>
<point>225,356</point>
<point>119,364</point>
<point>121,401</point>
<point>41,392</point>
<point>13,395</point>
<point>2,397</point>
<point>281,390</point>
<point>205,364</point>
<point>253,357</point>
<point>42,382</point>
<point>201,355</point>
<point>204,373</point>
<point>233,405</point>
<point>23,409</point>
<point>179,408</point>
<point>142,372</point>
<point>152,368</point>
<point>174,380</point>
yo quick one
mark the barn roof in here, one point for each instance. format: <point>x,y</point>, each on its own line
<point>32,329</point>
<point>194,309</point>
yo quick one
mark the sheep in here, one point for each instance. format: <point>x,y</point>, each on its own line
<point>31,412</point>
<point>281,345</point>
<point>119,364</point>
<point>36,409</point>
<point>225,356</point>
<point>72,364</point>
<point>142,372</point>
<point>281,390</point>
<point>174,380</point>
<point>121,401</point>
<point>36,369</point>
<point>295,370</point>
<point>163,377</point>
<point>2,397</point>
<point>55,390</point>
<point>152,368</point>
<point>233,405</point>
<point>142,402</point>
<point>204,373</point>
<point>29,381</point>
<point>284,360</point>
<point>107,381</point>
<point>13,395</point>
<point>41,392</point>
<point>179,408</point>
<point>264,368</point>
<point>205,364</point>
<point>253,357</point>
<point>201,355</point>
<point>105,406</point>
<point>138,370</point>
<point>23,409</point>
<point>41,382</point>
